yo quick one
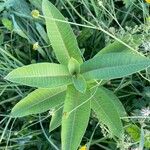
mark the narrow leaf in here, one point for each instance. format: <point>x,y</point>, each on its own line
<point>39,101</point>
<point>43,75</point>
<point>107,113</point>
<point>114,65</point>
<point>17,29</point>
<point>60,34</point>
<point>110,96</point>
<point>42,32</point>
<point>75,118</point>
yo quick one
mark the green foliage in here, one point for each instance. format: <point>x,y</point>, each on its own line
<point>147,141</point>
<point>107,112</point>
<point>39,101</point>
<point>114,65</point>
<point>60,34</point>
<point>119,47</point>
<point>75,118</point>
<point>134,132</point>
<point>110,96</point>
<point>42,75</point>
<point>79,83</point>
<point>72,107</point>
<point>73,66</point>
<point>137,135</point>
<point>56,118</point>
<point>7,23</point>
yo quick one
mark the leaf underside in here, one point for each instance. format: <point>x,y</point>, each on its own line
<point>114,65</point>
<point>114,99</point>
<point>42,75</point>
<point>75,123</point>
<point>39,101</point>
<point>60,34</point>
<point>106,112</point>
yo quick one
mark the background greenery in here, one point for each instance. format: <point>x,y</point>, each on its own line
<point>19,31</point>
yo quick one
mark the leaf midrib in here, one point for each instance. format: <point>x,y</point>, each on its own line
<point>57,28</point>
<point>74,117</point>
<point>36,76</point>
<point>114,67</point>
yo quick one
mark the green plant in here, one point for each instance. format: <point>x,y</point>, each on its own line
<point>75,85</point>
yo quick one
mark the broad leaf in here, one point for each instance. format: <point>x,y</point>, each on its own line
<point>39,101</point>
<point>110,96</point>
<point>43,75</point>
<point>114,65</point>
<point>79,83</point>
<point>107,112</point>
<point>56,118</point>
<point>75,118</point>
<point>60,34</point>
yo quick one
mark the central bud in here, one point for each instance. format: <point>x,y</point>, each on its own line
<point>74,67</point>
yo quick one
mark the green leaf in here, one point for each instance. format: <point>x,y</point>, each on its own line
<point>37,3</point>
<point>134,132</point>
<point>114,65</point>
<point>42,32</point>
<point>79,83</point>
<point>56,118</point>
<point>17,29</point>
<point>21,7</point>
<point>107,113</point>
<point>43,75</point>
<point>74,66</point>
<point>60,34</point>
<point>116,46</point>
<point>75,118</point>
<point>110,96</point>
<point>147,141</point>
<point>39,101</point>
<point>7,23</point>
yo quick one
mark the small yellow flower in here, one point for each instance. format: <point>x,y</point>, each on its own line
<point>35,46</point>
<point>148,1</point>
<point>83,147</point>
<point>35,13</point>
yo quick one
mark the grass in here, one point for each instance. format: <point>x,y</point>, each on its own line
<point>96,24</point>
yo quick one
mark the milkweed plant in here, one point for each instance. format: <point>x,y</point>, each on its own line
<point>73,87</point>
